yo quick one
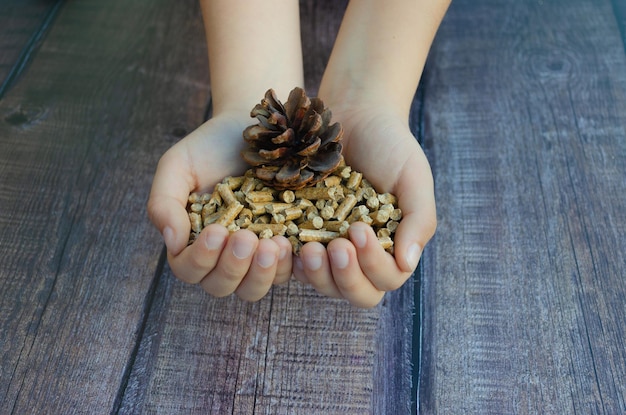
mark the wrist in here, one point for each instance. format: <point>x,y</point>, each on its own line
<point>241,98</point>
<point>349,92</point>
<point>355,101</point>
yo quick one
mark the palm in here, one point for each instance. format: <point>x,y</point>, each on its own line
<point>387,154</point>
<point>213,151</point>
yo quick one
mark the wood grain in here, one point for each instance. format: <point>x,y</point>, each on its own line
<point>291,352</point>
<point>80,135</point>
<point>523,290</point>
<point>319,24</point>
<point>23,25</point>
<point>619,8</point>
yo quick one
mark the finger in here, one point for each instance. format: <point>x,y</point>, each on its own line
<point>260,276</point>
<point>168,199</point>
<point>419,221</point>
<point>317,269</point>
<point>199,259</point>
<point>285,263</point>
<point>233,264</point>
<point>348,276</point>
<point>298,270</point>
<point>378,266</point>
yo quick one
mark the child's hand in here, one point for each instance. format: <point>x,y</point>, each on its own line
<point>381,147</point>
<point>219,262</point>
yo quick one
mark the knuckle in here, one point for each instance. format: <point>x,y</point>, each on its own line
<point>231,273</point>
<point>348,285</point>
<point>367,302</point>
<point>390,284</point>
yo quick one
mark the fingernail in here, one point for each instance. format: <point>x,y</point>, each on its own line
<point>297,264</point>
<point>313,262</point>
<point>213,241</point>
<point>266,259</point>
<point>168,237</point>
<point>283,253</point>
<point>299,270</point>
<point>242,249</point>
<point>358,237</point>
<point>340,258</point>
<point>413,255</point>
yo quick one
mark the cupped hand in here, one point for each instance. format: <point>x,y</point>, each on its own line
<point>220,262</point>
<point>381,146</point>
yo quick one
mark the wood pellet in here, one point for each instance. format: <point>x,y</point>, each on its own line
<point>320,213</point>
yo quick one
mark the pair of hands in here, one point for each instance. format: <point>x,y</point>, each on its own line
<point>378,145</point>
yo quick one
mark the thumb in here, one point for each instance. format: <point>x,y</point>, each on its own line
<point>416,199</point>
<point>167,203</point>
<point>172,221</point>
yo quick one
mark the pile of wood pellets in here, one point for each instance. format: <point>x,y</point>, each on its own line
<point>320,213</point>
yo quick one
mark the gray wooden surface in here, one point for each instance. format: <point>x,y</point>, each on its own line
<point>91,318</point>
<point>522,113</point>
<point>23,25</point>
<point>524,293</point>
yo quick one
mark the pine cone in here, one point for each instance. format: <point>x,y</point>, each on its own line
<point>293,145</point>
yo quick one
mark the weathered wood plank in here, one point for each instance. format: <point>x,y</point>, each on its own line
<point>398,335</point>
<point>523,289</point>
<point>619,7</point>
<point>319,24</point>
<point>80,135</point>
<point>293,351</point>
<point>23,24</point>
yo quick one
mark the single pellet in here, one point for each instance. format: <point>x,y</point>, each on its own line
<point>316,235</point>
<point>379,218</point>
<point>336,226</point>
<point>205,198</point>
<point>193,198</point>
<point>386,242</point>
<point>354,180</point>
<point>396,215</point>
<point>246,213</point>
<point>230,213</point>
<point>292,213</point>
<point>296,245</point>
<point>248,185</point>
<point>212,218</point>
<point>196,222</point>
<point>288,196</point>
<point>383,233</point>
<point>208,209</point>
<point>372,203</point>
<point>292,229</point>
<point>278,218</point>
<point>216,198</point>
<point>196,207</point>
<point>275,228</point>
<point>345,172</point>
<point>227,194</point>
<point>277,207</point>
<point>315,193</point>
<point>387,198</point>
<point>392,225</point>
<point>258,209</point>
<point>234,182</point>
<point>331,181</point>
<point>259,196</point>
<point>357,213</point>
<point>266,234</point>
<point>341,213</point>
<point>327,212</point>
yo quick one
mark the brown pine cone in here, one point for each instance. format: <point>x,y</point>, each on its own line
<point>293,145</point>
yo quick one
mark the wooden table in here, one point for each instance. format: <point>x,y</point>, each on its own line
<point>519,305</point>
